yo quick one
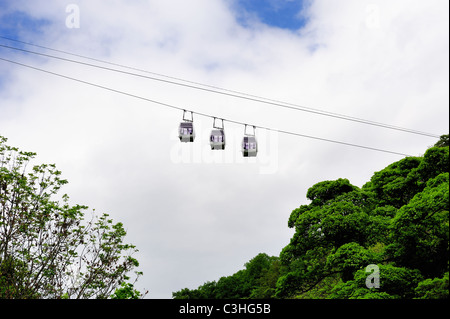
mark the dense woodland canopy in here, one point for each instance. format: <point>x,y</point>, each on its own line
<point>398,221</point>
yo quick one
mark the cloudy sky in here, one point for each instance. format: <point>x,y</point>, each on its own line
<point>197,214</point>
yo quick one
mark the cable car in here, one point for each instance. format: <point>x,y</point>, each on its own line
<point>249,144</point>
<point>186,129</point>
<point>217,138</point>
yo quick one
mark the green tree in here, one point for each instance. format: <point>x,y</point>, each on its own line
<point>436,288</point>
<point>126,291</point>
<point>47,248</point>
<point>396,184</point>
<point>435,161</point>
<point>265,285</point>
<point>350,258</point>
<point>186,293</point>
<point>322,192</point>
<point>395,283</point>
<point>257,280</point>
<point>420,230</point>
<point>232,287</point>
<point>399,221</point>
<point>334,219</point>
<point>443,141</point>
<point>399,218</point>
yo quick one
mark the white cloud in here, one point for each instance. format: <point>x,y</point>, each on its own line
<point>195,222</point>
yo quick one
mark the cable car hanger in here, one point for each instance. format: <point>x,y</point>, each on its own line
<point>249,134</point>
<point>216,126</point>
<point>186,119</point>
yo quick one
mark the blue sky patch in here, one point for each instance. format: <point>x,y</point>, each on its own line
<point>14,24</point>
<point>283,14</point>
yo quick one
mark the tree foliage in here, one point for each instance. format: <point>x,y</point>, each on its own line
<point>257,280</point>
<point>48,249</point>
<point>443,141</point>
<point>398,221</point>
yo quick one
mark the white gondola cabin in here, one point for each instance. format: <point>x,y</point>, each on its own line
<point>186,131</point>
<point>249,144</point>
<point>217,137</point>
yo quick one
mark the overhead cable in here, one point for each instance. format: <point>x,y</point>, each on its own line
<point>198,113</point>
<point>208,88</point>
